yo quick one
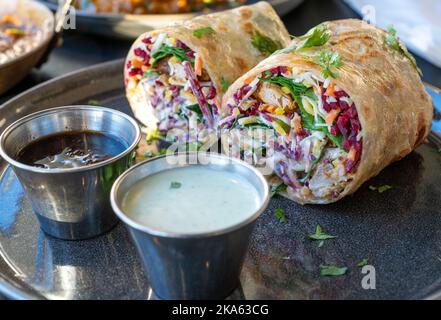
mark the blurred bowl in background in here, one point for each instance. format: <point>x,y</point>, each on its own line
<point>15,69</point>
<point>130,26</point>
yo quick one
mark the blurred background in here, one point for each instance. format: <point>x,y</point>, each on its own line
<point>104,29</point>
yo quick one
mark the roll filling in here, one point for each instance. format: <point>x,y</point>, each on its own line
<point>318,137</point>
<point>174,82</point>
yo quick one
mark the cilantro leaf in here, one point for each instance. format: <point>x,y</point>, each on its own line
<point>280,214</point>
<point>197,109</point>
<point>327,60</point>
<point>198,33</point>
<point>175,185</point>
<point>380,189</point>
<point>94,102</point>
<point>393,42</point>
<point>264,44</point>
<point>167,50</point>
<point>332,271</point>
<point>225,84</point>
<point>362,263</point>
<point>149,74</point>
<point>277,189</point>
<point>321,236</point>
<point>316,37</point>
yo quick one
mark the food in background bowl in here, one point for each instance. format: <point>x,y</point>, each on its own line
<point>17,36</point>
<point>26,28</point>
<point>152,6</point>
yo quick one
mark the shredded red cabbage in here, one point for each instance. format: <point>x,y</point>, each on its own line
<point>197,91</point>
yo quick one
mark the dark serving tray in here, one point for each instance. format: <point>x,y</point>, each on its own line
<point>399,231</point>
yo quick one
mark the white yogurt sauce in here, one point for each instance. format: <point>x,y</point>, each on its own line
<point>207,200</point>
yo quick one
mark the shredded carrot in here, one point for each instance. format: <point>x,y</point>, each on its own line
<point>217,103</point>
<point>271,108</point>
<point>144,68</point>
<point>198,65</point>
<point>297,123</point>
<point>136,63</point>
<point>330,90</point>
<point>352,153</point>
<point>332,115</point>
<point>248,80</point>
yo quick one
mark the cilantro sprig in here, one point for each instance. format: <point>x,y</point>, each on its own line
<point>393,42</point>
<point>198,33</point>
<point>264,44</point>
<point>278,189</point>
<point>381,189</point>
<point>332,271</point>
<point>362,263</point>
<point>149,74</point>
<point>175,185</point>
<point>167,50</point>
<point>328,61</point>
<point>225,84</point>
<point>280,214</point>
<point>316,37</point>
<point>320,236</point>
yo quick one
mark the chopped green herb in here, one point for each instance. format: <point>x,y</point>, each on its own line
<point>316,37</point>
<point>332,271</point>
<point>286,258</point>
<point>225,84</point>
<point>320,236</point>
<point>327,60</point>
<point>393,41</point>
<point>149,74</point>
<point>277,189</point>
<point>362,263</point>
<point>94,102</point>
<point>380,189</point>
<point>197,109</point>
<point>280,214</point>
<point>264,44</point>
<point>198,33</point>
<point>175,185</point>
<point>167,50</point>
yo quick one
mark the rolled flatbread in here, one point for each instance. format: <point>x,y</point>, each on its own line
<point>343,102</point>
<point>176,76</point>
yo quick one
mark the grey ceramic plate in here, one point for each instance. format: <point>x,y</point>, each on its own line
<point>399,231</point>
<point>130,26</point>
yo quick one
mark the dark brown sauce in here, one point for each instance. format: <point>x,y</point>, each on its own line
<point>71,149</point>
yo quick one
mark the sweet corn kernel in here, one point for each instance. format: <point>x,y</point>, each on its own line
<point>286,90</point>
<point>279,111</point>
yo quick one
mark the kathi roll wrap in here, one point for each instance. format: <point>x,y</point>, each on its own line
<point>342,102</point>
<point>176,76</point>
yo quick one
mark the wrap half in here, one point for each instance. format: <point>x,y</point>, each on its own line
<point>176,76</point>
<point>342,102</point>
